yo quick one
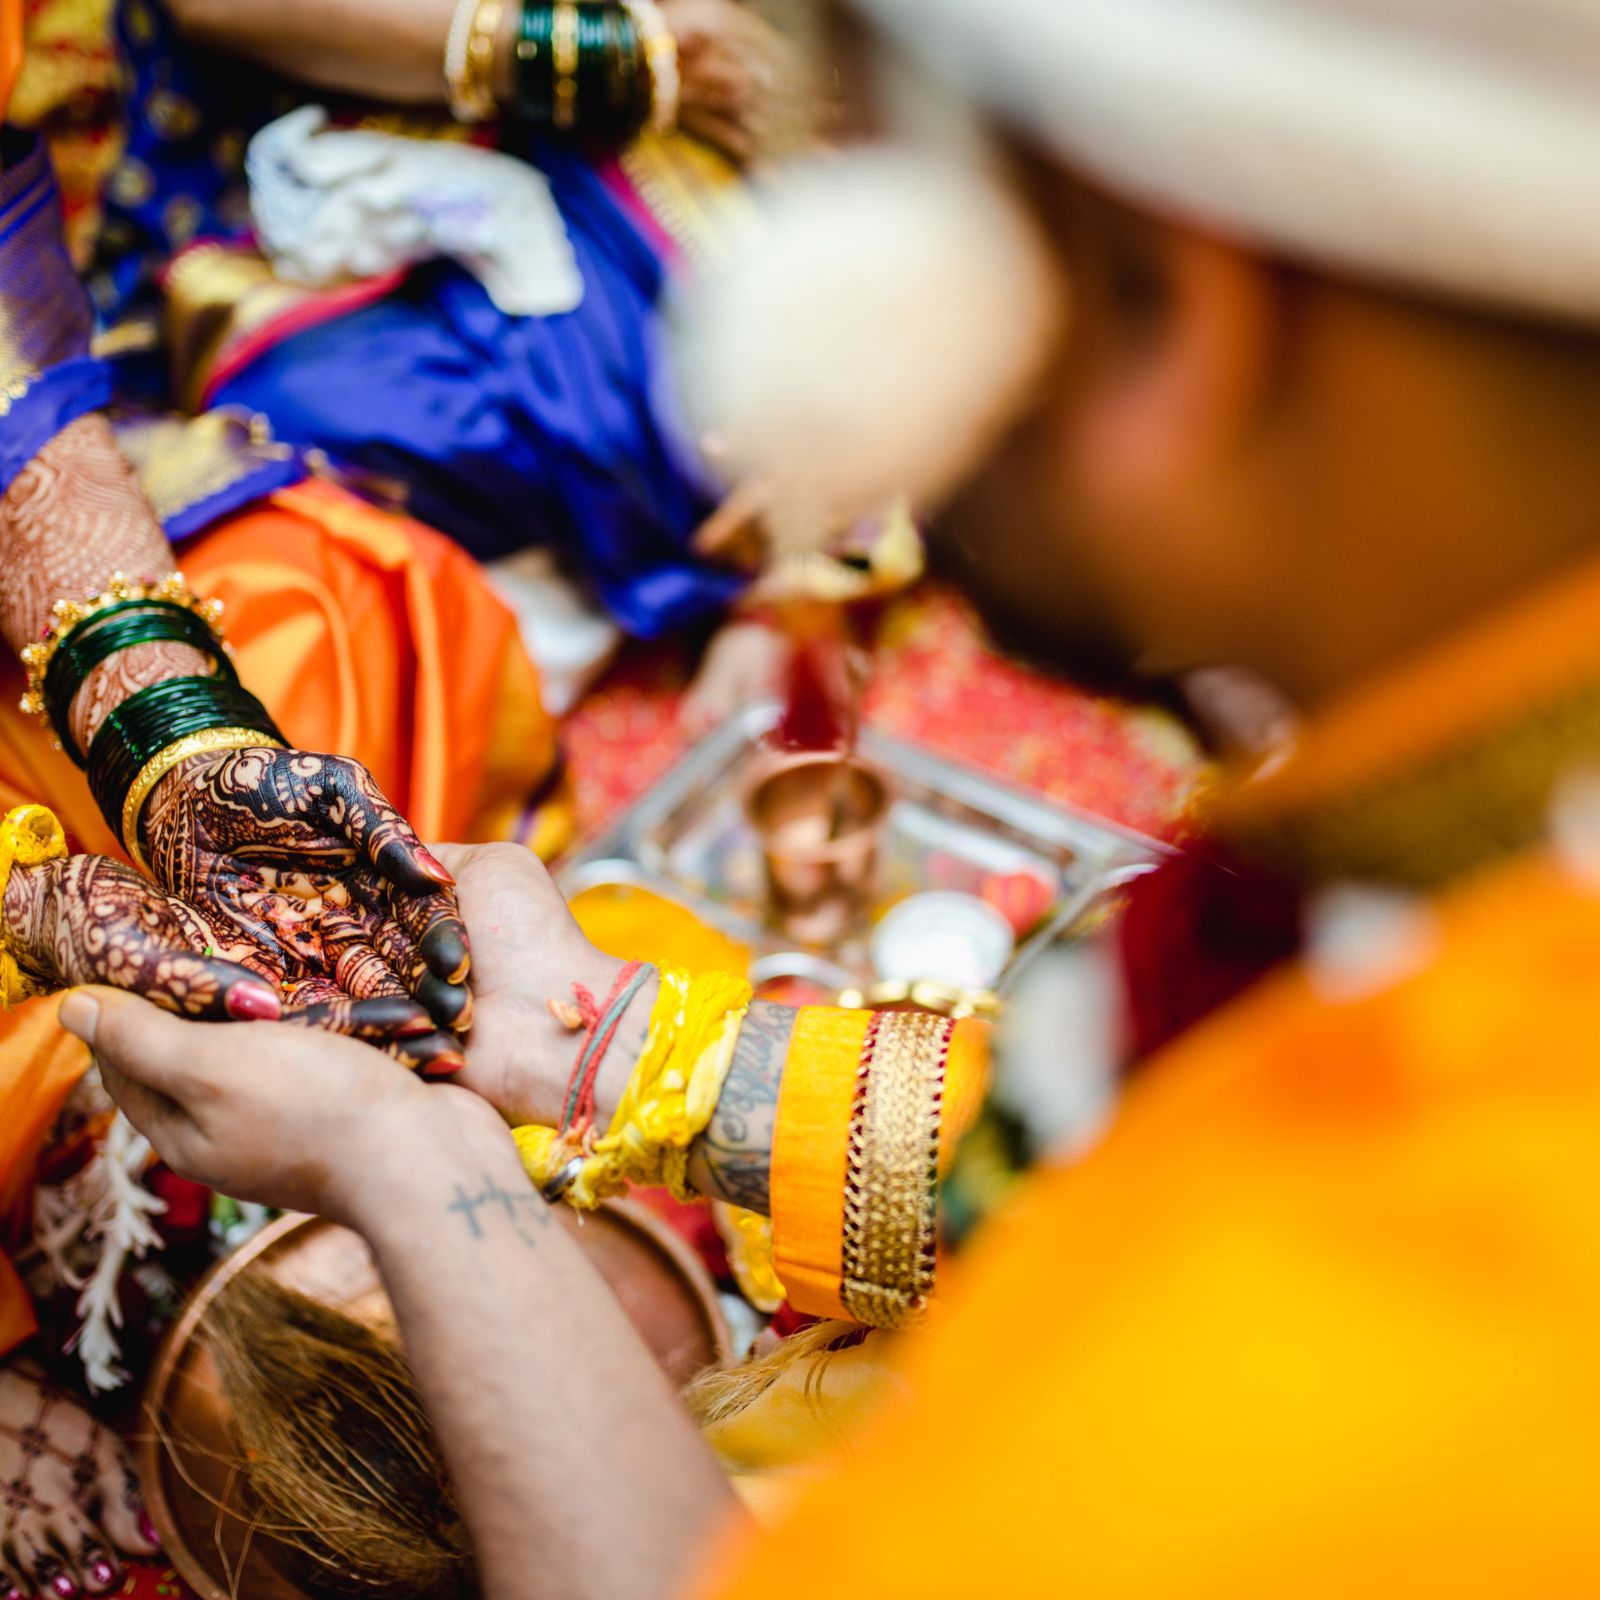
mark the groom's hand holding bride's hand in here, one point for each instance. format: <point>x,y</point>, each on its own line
<point>306,1121</point>
<point>91,920</point>
<point>528,951</point>
<point>319,1123</point>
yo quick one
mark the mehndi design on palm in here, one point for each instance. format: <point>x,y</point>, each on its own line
<point>88,919</point>
<point>300,868</point>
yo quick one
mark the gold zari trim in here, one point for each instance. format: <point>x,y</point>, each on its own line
<point>1482,800</point>
<point>693,192</point>
<point>182,462</point>
<point>206,742</point>
<point>44,313</point>
<point>892,1169</point>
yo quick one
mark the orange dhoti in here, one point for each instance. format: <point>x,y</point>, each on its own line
<point>366,634</point>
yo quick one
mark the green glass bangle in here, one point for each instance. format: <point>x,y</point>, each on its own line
<point>612,87</point>
<point>535,66</point>
<point>147,722</point>
<point>109,632</point>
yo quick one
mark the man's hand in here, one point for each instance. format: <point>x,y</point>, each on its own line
<point>604,1486</point>
<point>301,869</point>
<point>528,950</point>
<point>307,1121</point>
<point>730,61</point>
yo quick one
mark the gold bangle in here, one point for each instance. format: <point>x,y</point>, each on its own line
<point>564,58</point>
<point>65,615</point>
<point>892,1169</point>
<point>661,62</point>
<point>483,41</point>
<point>29,836</point>
<point>163,761</point>
<point>469,59</point>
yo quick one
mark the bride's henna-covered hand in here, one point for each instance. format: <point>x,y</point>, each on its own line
<point>87,919</point>
<point>299,865</point>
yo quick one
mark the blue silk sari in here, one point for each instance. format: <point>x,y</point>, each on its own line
<point>506,431</point>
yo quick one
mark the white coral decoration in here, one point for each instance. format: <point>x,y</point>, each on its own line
<point>106,1208</point>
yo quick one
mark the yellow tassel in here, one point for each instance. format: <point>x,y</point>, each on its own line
<point>747,1236</point>
<point>667,1104</point>
<point>29,836</point>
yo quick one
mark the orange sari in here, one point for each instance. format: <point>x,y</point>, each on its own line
<point>365,633</point>
<point>1318,1318</point>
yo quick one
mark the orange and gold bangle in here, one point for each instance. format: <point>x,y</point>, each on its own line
<point>892,1174</point>
<point>870,1111</point>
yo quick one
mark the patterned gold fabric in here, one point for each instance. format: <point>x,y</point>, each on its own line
<point>67,91</point>
<point>693,192</point>
<point>186,462</point>
<point>1479,803</point>
<point>1448,764</point>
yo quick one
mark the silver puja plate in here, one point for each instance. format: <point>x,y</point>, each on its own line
<point>949,828</point>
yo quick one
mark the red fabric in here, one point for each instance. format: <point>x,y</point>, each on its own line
<point>580,1091</point>
<point>935,683</point>
<point>816,712</point>
<point>188,1210</point>
<point>153,1580</point>
<point>1196,934</point>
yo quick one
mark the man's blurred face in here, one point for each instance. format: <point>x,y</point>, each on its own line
<point>1013,540</point>
<point>1036,537</point>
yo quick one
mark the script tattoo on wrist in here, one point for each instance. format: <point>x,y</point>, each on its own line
<point>733,1156</point>
<point>525,1211</point>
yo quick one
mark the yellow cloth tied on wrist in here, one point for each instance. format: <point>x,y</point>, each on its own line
<point>668,1103</point>
<point>29,836</point>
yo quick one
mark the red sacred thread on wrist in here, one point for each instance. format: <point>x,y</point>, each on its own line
<point>600,1024</point>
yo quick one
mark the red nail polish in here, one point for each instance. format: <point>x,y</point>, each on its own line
<point>417,1029</point>
<point>433,866</point>
<point>102,1574</point>
<point>64,1586</point>
<point>250,1002</point>
<point>443,1065</point>
<point>14,1594</point>
<point>147,1530</point>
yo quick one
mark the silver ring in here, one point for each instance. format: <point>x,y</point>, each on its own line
<point>563,1180</point>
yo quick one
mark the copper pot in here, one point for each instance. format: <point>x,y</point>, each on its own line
<point>187,1455</point>
<point>818,817</point>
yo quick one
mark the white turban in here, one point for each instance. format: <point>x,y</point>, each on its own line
<point>894,315</point>
<point>1453,145</point>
